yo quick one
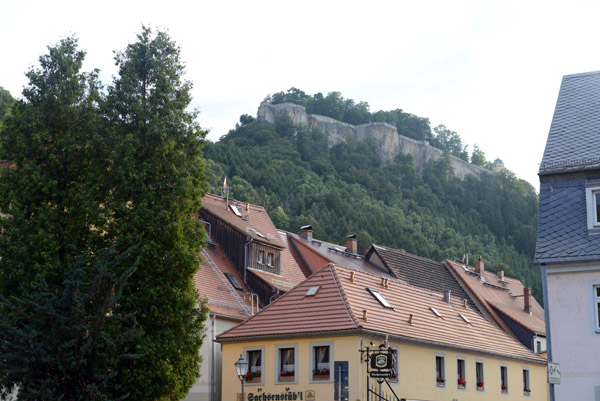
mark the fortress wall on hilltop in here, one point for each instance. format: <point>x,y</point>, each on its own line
<point>389,143</point>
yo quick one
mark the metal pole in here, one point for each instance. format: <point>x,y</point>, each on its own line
<point>242,390</point>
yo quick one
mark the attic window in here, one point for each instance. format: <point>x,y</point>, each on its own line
<point>380,298</point>
<point>435,312</point>
<point>312,291</point>
<point>233,281</point>
<point>236,210</point>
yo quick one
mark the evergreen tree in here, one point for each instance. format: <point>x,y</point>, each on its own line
<point>65,342</point>
<point>156,185</point>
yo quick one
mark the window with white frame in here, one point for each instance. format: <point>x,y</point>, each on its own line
<point>504,379</point>
<point>321,365</point>
<point>440,370</point>
<point>286,363</point>
<point>596,306</point>
<point>526,382</point>
<point>592,195</point>
<point>261,257</point>
<point>269,259</point>
<point>479,381</point>
<point>255,366</point>
<point>461,373</point>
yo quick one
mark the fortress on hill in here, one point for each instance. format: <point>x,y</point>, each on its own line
<point>389,143</point>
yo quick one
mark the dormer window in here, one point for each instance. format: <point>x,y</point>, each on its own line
<point>593,207</point>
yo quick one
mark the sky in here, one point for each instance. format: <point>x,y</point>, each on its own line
<point>489,70</point>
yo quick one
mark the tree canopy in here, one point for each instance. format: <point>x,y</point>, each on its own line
<point>119,166</point>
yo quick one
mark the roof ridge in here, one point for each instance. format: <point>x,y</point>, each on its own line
<point>405,252</point>
<point>339,286</point>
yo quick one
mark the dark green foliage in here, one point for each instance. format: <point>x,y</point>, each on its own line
<point>450,141</point>
<point>478,157</point>
<point>349,190</point>
<point>155,192</point>
<point>66,343</point>
<point>93,168</point>
<point>6,102</point>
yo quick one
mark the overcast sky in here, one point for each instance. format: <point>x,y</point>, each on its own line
<point>489,70</point>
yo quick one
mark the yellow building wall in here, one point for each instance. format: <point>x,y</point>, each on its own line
<point>417,378</point>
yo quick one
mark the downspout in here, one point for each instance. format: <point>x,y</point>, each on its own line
<point>246,256</point>
<point>213,380</point>
<point>547,317</point>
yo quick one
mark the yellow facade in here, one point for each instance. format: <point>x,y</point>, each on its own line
<point>416,370</point>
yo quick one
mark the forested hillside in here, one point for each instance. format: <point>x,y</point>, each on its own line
<point>347,189</point>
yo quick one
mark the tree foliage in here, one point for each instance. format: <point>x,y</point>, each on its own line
<point>66,342</point>
<point>6,102</point>
<point>95,166</point>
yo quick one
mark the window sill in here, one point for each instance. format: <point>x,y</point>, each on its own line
<point>440,384</point>
<point>479,388</point>
<point>527,393</point>
<point>321,377</point>
<point>461,386</point>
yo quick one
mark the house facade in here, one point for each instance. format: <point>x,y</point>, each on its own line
<point>311,344</point>
<point>568,241</point>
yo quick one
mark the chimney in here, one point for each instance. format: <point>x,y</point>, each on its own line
<point>365,318</point>
<point>527,299</point>
<point>352,243</point>
<point>479,267</point>
<point>306,231</point>
<point>500,274</point>
<point>410,319</point>
<point>447,296</point>
<point>351,277</point>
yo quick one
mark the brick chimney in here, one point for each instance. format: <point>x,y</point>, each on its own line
<point>500,274</point>
<point>306,231</point>
<point>479,267</point>
<point>352,243</point>
<point>527,299</point>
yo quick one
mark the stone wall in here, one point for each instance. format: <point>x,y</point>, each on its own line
<point>389,143</point>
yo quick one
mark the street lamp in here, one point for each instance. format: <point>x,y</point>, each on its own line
<point>241,366</point>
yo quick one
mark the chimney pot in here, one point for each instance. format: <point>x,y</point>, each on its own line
<point>352,243</point>
<point>447,296</point>
<point>527,299</point>
<point>365,318</point>
<point>465,303</point>
<point>306,231</point>
<point>410,319</point>
<point>479,267</point>
<point>351,277</point>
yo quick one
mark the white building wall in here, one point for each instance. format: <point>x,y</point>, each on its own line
<point>210,370</point>
<point>575,342</point>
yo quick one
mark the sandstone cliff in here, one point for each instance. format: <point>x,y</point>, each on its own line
<point>389,142</point>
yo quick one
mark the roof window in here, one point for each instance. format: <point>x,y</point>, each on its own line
<point>312,291</point>
<point>233,281</point>
<point>435,312</point>
<point>236,210</point>
<point>380,298</point>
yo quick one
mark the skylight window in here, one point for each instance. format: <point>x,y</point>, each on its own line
<point>233,281</point>
<point>435,312</point>
<point>380,298</point>
<point>236,210</point>
<point>464,318</point>
<point>312,291</point>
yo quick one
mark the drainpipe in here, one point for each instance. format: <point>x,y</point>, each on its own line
<point>213,380</point>
<point>547,318</point>
<point>246,256</point>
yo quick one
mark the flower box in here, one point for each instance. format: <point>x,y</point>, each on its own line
<point>321,377</point>
<point>286,378</point>
<point>440,383</point>
<point>461,386</point>
<point>527,392</point>
<point>504,390</point>
<point>479,388</point>
<point>254,379</point>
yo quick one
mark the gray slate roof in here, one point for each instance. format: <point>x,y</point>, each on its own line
<point>574,139</point>
<point>563,235</point>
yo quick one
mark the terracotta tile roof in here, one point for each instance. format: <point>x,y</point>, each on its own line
<point>497,295</point>
<point>255,222</point>
<point>318,254</point>
<point>211,286</point>
<point>338,307</point>
<point>421,272</point>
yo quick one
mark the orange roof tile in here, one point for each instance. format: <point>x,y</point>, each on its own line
<point>504,296</point>
<point>216,291</point>
<point>338,307</point>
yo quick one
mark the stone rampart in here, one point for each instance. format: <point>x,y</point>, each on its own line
<point>388,142</point>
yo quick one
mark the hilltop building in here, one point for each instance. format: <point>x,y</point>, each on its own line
<point>498,165</point>
<point>307,345</point>
<point>568,241</point>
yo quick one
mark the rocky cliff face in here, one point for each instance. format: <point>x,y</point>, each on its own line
<point>389,142</point>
